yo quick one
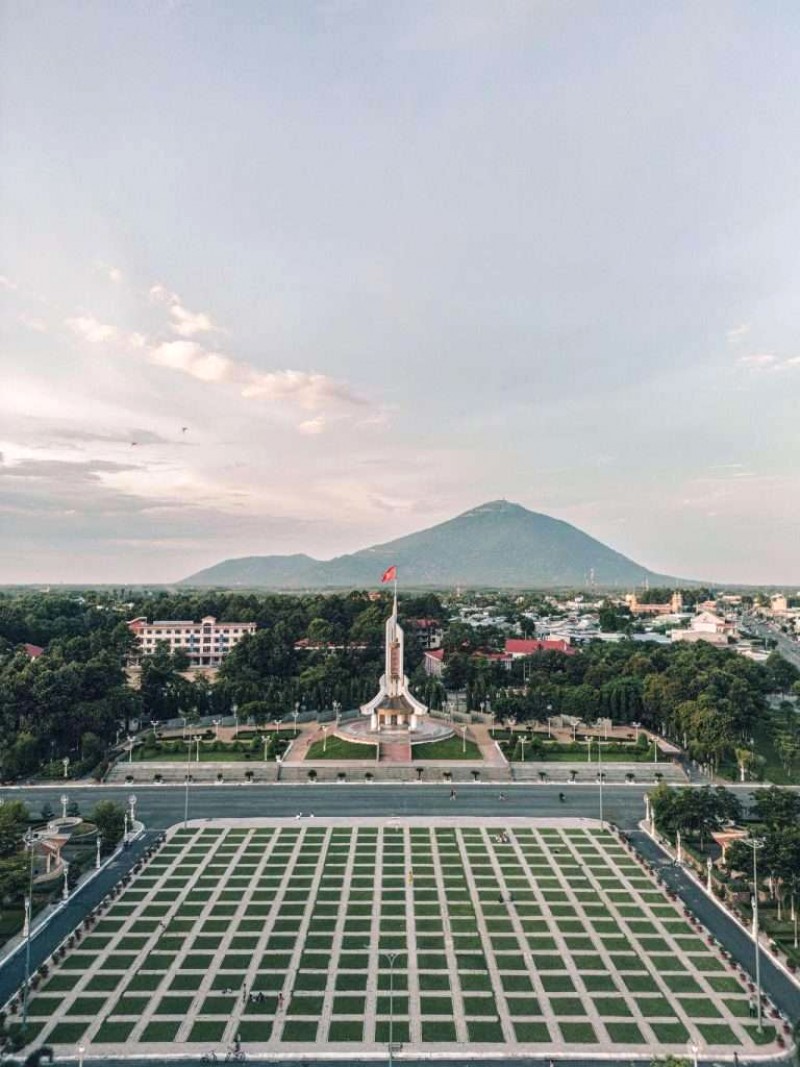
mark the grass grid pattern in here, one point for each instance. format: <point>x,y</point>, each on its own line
<point>460,934</point>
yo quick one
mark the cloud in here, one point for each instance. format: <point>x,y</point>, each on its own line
<point>184,322</point>
<point>312,426</point>
<point>6,283</point>
<point>737,333</point>
<point>309,391</point>
<point>194,360</point>
<point>768,361</point>
<point>90,329</point>
<point>188,323</point>
<point>159,294</point>
<point>758,359</point>
<point>37,325</point>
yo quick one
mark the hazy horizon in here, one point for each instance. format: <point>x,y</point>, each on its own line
<point>308,276</point>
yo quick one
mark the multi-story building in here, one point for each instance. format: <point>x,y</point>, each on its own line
<point>206,643</point>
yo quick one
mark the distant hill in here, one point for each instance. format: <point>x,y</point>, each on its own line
<point>499,545</point>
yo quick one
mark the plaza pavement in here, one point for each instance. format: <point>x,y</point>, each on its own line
<point>534,858</point>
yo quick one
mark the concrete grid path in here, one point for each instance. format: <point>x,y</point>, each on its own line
<point>447,862</point>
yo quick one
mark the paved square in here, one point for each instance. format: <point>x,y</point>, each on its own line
<point>516,936</point>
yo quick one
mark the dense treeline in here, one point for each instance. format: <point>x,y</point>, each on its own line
<point>705,698</point>
<point>314,652</point>
<point>74,701</point>
<point>68,701</point>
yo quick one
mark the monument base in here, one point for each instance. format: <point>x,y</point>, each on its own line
<point>359,732</point>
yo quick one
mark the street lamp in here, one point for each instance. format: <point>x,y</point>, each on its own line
<point>81,1051</point>
<point>215,723</point>
<point>132,802</point>
<point>575,726</point>
<point>65,763</point>
<point>464,741</point>
<point>522,743</point>
<point>125,830</point>
<point>709,866</point>
<point>130,748</point>
<point>325,737</point>
<point>198,738</point>
<point>588,749</point>
<point>97,856</point>
<point>65,890</point>
<point>549,730</point>
<point>295,715</point>
<point>29,843</point>
<point>756,843</point>
<point>64,801</point>
<point>391,957</point>
<point>694,1049</point>
<point>235,713</point>
<point>600,779</point>
<point>186,783</point>
<point>266,746</point>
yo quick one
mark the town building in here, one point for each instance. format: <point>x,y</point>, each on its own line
<point>672,607</point>
<point>206,643</point>
<point>706,626</point>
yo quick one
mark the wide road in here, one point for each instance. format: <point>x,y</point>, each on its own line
<point>162,806</point>
<point>788,648</point>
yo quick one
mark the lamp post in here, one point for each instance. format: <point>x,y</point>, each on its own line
<point>464,741</point>
<point>235,713</point>
<point>600,779</point>
<point>132,802</point>
<point>636,726</point>
<point>29,842</point>
<point>678,847</point>
<point>266,746</point>
<point>130,748</point>
<point>295,715</point>
<point>64,801</point>
<point>81,1051</point>
<point>709,866</point>
<point>756,843</point>
<point>694,1049</point>
<point>65,764</point>
<point>215,723</point>
<point>186,783</point>
<point>391,957</point>
<point>324,737</point>
<point>125,829</point>
<point>65,890</point>
<point>198,738</point>
<point>522,743</point>
<point>588,750</point>
<point>97,854</point>
<point>648,811</point>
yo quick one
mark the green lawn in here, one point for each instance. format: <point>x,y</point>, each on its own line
<point>452,748</point>
<point>335,748</point>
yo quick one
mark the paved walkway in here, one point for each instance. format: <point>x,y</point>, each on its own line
<point>514,936</point>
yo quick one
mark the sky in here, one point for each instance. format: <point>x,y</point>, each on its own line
<point>307,275</point>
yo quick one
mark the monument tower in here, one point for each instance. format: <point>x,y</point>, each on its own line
<point>394,708</point>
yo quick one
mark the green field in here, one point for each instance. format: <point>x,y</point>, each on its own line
<point>338,749</point>
<point>282,932</point>
<point>452,748</point>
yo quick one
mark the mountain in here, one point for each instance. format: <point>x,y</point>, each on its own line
<point>499,545</point>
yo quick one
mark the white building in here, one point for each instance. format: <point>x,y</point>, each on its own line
<point>206,643</point>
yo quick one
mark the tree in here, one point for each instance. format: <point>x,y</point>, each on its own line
<point>777,808</point>
<point>109,818</point>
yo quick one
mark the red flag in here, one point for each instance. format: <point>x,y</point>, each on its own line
<point>390,575</point>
